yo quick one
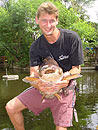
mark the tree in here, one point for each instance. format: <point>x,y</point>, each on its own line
<point>78,7</point>
<point>16,22</point>
<point>86,32</point>
<point>79,2</point>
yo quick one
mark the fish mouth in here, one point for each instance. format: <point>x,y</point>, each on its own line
<point>49,71</point>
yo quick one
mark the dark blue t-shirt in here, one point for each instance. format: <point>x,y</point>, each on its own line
<point>67,50</point>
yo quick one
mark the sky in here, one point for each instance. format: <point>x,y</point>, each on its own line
<point>92,12</point>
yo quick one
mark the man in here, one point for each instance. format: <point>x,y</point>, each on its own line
<point>66,48</point>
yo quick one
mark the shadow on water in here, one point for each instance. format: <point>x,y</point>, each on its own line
<point>86,104</point>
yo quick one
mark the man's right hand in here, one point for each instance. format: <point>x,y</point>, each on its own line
<point>48,88</point>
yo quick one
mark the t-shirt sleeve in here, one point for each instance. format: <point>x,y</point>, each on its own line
<point>35,59</point>
<point>76,56</point>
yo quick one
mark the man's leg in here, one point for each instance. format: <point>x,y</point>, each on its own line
<point>14,109</point>
<point>63,111</point>
<point>60,128</point>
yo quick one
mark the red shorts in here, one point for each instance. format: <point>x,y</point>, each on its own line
<point>62,110</point>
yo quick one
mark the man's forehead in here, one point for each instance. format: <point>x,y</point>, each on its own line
<point>47,15</point>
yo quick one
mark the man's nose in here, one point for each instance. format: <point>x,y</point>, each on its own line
<point>48,24</point>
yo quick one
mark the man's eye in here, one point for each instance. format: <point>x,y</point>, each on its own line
<point>52,21</point>
<point>44,21</point>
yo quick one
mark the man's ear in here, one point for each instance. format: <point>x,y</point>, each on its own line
<point>57,22</point>
<point>36,19</point>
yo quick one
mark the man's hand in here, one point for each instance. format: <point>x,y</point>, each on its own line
<point>48,88</point>
<point>62,84</point>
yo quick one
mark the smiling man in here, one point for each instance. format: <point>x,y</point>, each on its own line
<point>66,48</point>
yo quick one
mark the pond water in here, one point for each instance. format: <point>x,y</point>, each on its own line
<point>86,104</point>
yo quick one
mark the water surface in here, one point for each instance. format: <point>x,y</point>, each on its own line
<point>86,104</point>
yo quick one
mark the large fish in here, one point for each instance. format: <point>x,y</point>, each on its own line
<point>51,74</point>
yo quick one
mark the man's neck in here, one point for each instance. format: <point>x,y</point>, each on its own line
<point>54,37</point>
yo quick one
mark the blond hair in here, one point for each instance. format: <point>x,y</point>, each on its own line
<point>47,7</point>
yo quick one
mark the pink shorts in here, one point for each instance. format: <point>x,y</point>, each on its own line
<point>62,110</point>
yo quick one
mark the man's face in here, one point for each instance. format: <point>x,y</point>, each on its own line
<point>47,23</point>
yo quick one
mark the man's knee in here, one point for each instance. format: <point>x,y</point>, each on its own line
<point>14,106</point>
<point>10,106</point>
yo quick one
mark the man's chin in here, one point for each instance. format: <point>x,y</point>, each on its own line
<point>48,34</point>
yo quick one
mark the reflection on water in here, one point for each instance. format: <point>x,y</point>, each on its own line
<point>86,105</point>
<point>89,88</point>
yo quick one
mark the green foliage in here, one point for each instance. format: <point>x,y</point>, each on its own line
<point>66,18</point>
<point>16,22</point>
<point>86,32</point>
